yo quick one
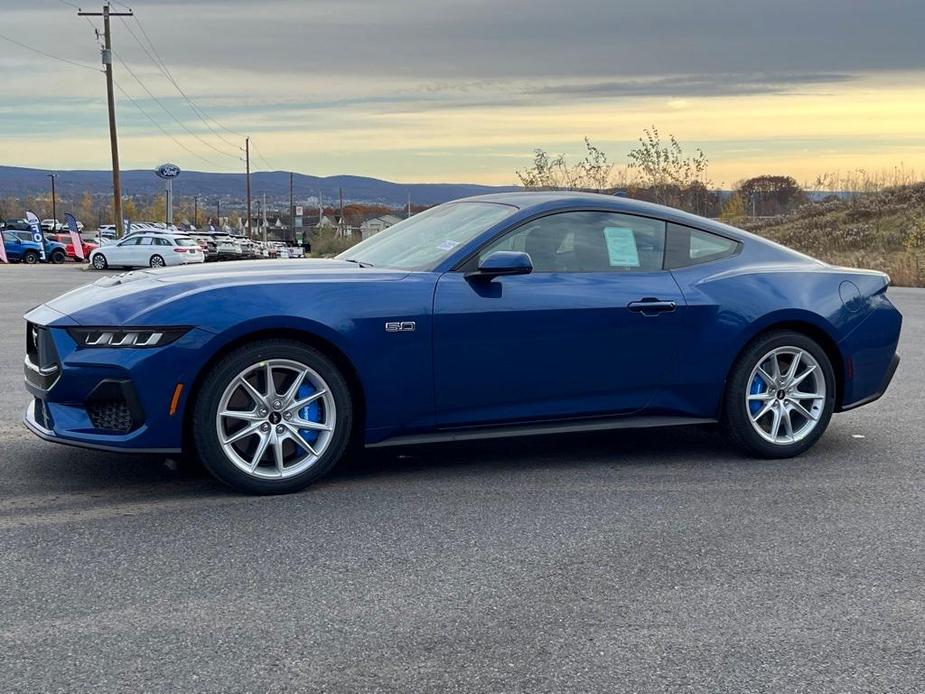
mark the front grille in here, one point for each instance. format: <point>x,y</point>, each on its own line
<point>111,415</point>
<point>41,364</point>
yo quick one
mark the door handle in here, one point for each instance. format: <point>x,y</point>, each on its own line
<point>651,307</point>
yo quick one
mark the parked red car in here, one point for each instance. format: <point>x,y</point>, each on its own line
<point>69,247</point>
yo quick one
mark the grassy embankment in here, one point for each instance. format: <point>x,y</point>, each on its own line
<point>881,231</point>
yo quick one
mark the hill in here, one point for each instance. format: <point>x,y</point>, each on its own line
<point>20,182</point>
<point>881,231</point>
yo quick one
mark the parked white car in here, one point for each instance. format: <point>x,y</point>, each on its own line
<point>148,250</point>
<point>225,245</point>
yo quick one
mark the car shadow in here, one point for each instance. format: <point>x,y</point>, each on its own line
<point>56,469</point>
<point>627,448</point>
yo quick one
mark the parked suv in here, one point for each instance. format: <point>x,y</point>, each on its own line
<point>54,252</point>
<point>19,251</point>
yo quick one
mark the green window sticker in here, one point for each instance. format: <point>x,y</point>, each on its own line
<point>621,247</point>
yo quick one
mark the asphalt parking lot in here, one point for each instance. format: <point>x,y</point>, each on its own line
<point>629,561</point>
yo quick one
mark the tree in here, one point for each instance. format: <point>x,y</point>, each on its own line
<point>594,172</point>
<point>769,195</point>
<point>664,168</point>
<point>734,208</point>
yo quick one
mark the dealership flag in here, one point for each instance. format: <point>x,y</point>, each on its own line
<point>37,234</point>
<point>3,249</point>
<point>75,234</point>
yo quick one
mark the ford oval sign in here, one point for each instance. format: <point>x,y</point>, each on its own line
<point>167,170</point>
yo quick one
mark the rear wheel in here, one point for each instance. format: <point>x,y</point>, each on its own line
<point>99,261</point>
<point>780,395</point>
<point>157,261</point>
<point>30,257</point>
<point>272,417</point>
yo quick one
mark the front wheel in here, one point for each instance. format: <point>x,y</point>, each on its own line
<point>272,417</point>
<point>99,262</point>
<point>780,395</point>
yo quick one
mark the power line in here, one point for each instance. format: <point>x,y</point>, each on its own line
<point>159,127</point>
<point>49,55</point>
<point>162,66</point>
<point>167,111</point>
<point>260,154</point>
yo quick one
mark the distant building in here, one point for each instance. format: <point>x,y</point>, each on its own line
<point>373,226</point>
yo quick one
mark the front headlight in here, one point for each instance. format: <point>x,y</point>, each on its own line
<point>126,337</point>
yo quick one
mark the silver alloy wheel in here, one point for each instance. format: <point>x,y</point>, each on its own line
<point>261,419</point>
<point>157,261</point>
<point>786,395</point>
<point>99,262</point>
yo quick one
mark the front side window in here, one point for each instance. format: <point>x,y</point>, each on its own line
<point>421,242</point>
<point>587,242</point>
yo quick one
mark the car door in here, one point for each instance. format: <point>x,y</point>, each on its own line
<point>147,246</point>
<point>13,246</point>
<point>590,331</point>
<point>123,253</point>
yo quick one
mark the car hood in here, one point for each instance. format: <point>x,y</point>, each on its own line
<point>133,294</point>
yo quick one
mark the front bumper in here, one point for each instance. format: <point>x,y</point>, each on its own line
<point>35,411</point>
<point>108,398</point>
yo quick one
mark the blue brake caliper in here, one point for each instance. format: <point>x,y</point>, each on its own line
<point>310,412</point>
<point>758,386</point>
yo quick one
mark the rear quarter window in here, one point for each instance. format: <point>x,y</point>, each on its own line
<point>687,246</point>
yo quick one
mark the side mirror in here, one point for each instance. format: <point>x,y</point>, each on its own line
<point>502,263</point>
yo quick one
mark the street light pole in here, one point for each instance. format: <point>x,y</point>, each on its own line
<point>54,204</point>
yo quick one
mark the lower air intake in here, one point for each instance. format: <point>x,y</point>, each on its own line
<point>111,415</point>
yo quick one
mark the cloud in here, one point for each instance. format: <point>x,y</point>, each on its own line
<point>694,85</point>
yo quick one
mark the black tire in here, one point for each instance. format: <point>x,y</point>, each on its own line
<point>99,262</point>
<point>58,257</point>
<point>156,261</point>
<point>30,257</point>
<point>736,419</point>
<point>205,436</point>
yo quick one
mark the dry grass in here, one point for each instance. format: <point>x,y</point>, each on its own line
<point>883,230</point>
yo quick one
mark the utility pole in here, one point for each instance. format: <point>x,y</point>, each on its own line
<point>291,211</point>
<point>342,230</point>
<point>196,210</point>
<point>247,158</point>
<point>218,213</point>
<point>264,218</point>
<point>113,137</point>
<point>54,206</point>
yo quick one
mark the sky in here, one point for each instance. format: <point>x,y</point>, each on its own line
<point>464,91</point>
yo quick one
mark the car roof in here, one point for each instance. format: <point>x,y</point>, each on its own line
<point>553,200</point>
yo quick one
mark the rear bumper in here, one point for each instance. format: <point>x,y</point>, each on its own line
<point>876,395</point>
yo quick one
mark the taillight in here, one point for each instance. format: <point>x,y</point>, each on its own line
<point>179,250</point>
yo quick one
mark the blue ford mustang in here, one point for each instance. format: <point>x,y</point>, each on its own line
<point>498,315</point>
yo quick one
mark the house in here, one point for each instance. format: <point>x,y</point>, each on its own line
<point>373,226</point>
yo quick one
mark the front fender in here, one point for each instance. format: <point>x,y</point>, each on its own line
<point>394,369</point>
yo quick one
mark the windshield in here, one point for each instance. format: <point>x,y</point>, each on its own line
<point>422,241</point>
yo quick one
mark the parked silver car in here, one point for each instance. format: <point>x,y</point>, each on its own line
<point>148,250</point>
